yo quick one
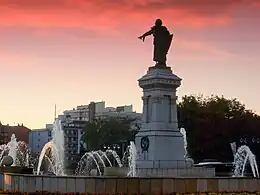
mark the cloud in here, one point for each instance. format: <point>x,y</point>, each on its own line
<point>109,16</point>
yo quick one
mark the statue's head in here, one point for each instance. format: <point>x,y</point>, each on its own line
<point>158,22</point>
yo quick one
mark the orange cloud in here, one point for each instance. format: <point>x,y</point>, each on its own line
<point>109,16</point>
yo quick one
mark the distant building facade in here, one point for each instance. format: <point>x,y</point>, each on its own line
<point>98,110</point>
<point>38,138</point>
<point>74,121</point>
<point>21,133</point>
<point>4,139</point>
<point>73,144</point>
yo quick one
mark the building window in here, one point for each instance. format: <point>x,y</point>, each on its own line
<point>38,146</point>
<point>38,140</point>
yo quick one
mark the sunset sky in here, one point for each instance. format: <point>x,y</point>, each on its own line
<point>71,52</point>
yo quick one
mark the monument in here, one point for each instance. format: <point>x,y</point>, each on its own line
<point>159,142</point>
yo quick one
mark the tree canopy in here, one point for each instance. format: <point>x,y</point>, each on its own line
<point>214,122</point>
<point>110,131</point>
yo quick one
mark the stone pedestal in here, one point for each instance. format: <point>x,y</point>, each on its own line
<point>159,142</point>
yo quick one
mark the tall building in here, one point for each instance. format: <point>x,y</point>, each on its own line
<point>38,138</point>
<point>74,121</point>
<point>73,136</point>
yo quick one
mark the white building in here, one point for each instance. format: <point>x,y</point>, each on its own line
<point>38,138</point>
<point>98,110</point>
<point>74,121</point>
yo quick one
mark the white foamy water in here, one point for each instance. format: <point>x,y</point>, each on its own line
<point>243,156</point>
<point>132,160</point>
<point>56,148</point>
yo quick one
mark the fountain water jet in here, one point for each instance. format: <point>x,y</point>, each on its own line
<point>92,156</point>
<point>104,154</point>
<point>3,149</point>
<point>12,145</point>
<point>17,150</point>
<point>100,158</point>
<point>183,132</point>
<point>56,146</point>
<point>115,155</point>
<point>242,156</point>
<point>132,160</point>
<point>84,164</point>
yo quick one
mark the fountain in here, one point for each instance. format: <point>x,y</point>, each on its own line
<point>13,145</point>
<point>14,157</point>
<point>115,156</point>
<point>90,160</point>
<point>242,156</point>
<point>96,160</point>
<point>188,160</point>
<point>17,150</point>
<point>104,155</point>
<point>55,150</point>
<point>183,132</point>
<point>233,148</point>
<point>3,149</point>
<point>99,157</point>
<point>132,160</point>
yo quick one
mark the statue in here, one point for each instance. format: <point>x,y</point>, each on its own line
<point>162,42</point>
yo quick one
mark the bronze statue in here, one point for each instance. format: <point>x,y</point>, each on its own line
<point>162,42</point>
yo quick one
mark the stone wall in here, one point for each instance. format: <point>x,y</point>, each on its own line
<point>112,185</point>
<point>189,172</point>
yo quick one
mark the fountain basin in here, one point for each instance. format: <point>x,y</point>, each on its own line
<point>18,170</point>
<point>116,171</point>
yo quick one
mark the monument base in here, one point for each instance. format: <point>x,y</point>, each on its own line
<point>159,143</point>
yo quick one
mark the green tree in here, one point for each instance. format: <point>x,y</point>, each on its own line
<point>212,123</point>
<point>104,132</point>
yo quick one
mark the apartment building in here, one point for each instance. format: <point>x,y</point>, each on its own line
<point>21,132</point>
<point>74,121</point>
<point>38,138</point>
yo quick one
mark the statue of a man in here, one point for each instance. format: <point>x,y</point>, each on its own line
<point>162,42</point>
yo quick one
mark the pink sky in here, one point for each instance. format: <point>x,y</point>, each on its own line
<point>71,52</point>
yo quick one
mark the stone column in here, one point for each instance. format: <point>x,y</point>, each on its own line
<point>145,109</point>
<point>174,118</point>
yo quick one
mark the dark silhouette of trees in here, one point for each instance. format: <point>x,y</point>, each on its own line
<point>212,123</point>
<point>106,132</point>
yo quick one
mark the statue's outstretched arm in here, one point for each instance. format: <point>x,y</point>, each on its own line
<point>146,34</point>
